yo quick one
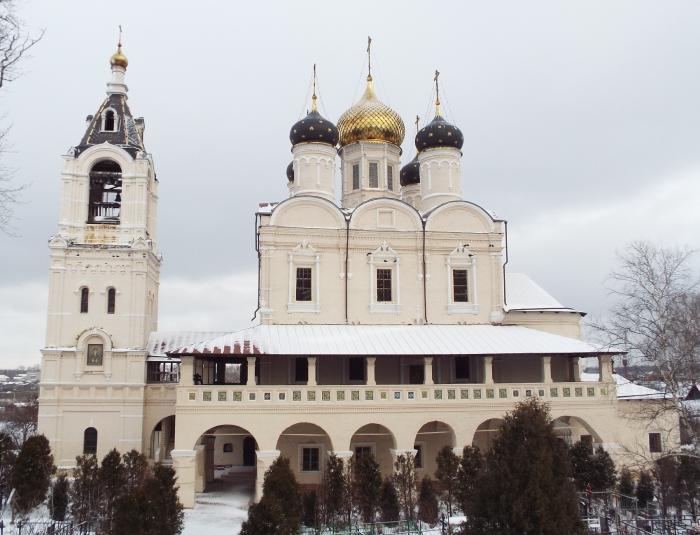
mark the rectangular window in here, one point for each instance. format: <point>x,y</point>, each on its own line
<point>356,368</point>
<point>84,300</point>
<point>384,286</point>
<point>163,372</point>
<point>655,442</point>
<point>111,300</point>
<point>373,175</point>
<point>588,441</point>
<point>460,292</point>
<point>301,370</point>
<point>389,178</point>
<point>461,368</point>
<point>94,354</point>
<point>303,284</point>
<point>310,459</point>
<point>362,450</point>
<point>356,176</point>
<point>419,455</point>
<point>228,447</point>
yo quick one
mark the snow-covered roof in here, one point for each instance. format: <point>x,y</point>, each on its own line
<point>522,293</point>
<point>626,389</point>
<point>388,340</point>
<point>162,342</point>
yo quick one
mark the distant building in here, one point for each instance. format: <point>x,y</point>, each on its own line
<point>388,321</point>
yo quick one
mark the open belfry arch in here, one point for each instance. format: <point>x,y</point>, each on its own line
<point>387,322</point>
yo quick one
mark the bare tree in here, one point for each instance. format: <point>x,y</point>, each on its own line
<point>15,43</point>
<point>656,319</point>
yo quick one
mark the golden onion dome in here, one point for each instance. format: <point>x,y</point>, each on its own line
<point>118,59</point>
<point>371,120</point>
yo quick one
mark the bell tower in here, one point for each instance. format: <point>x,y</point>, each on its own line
<point>103,285</point>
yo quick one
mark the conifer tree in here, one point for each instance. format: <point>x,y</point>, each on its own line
<point>626,484</point>
<point>335,492</point>
<point>31,476</point>
<point>405,483</point>
<point>132,513</point>
<point>446,474</point>
<point>603,474</point>
<point>580,456</point>
<point>689,482</point>
<point>665,471</point>
<point>367,483</point>
<point>58,499</point>
<point>111,481</point>
<point>7,462</point>
<point>471,464</point>
<point>280,488</point>
<point>264,518</point>
<point>135,469</point>
<point>310,513</point>
<point>525,488</point>
<point>388,502</point>
<point>427,502</point>
<point>645,489</point>
<point>166,510</point>
<point>85,490</point>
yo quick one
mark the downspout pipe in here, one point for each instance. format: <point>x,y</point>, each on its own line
<point>425,280</point>
<point>347,254</point>
<point>505,299</point>
<point>257,249</point>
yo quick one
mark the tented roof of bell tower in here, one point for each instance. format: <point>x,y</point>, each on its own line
<point>119,129</point>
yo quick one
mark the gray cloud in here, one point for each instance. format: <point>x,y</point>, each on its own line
<point>581,123</point>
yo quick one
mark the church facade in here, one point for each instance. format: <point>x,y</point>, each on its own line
<point>388,321</point>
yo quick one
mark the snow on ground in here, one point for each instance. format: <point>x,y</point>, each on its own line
<point>223,509</point>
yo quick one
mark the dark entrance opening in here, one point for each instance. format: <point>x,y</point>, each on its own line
<point>416,374</point>
<point>248,451</point>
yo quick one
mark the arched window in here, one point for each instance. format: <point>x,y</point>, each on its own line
<point>84,299</point>
<point>109,122</point>
<point>105,193</point>
<point>90,441</point>
<point>111,300</point>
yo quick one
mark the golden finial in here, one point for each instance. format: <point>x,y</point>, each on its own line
<point>369,59</point>
<point>437,92</point>
<point>314,106</point>
<point>417,121</point>
<point>118,59</point>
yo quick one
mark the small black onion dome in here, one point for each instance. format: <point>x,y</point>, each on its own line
<point>439,133</point>
<point>314,128</point>
<point>290,172</point>
<point>410,173</point>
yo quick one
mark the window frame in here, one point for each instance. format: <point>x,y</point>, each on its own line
<point>384,276</point>
<point>99,364</point>
<point>320,449</point>
<point>372,446</point>
<point>300,291</point>
<point>355,176</point>
<point>295,369</point>
<point>455,272</point>
<point>84,300</point>
<point>419,446</point>
<point>469,377</point>
<point>462,259</point>
<point>92,443</point>
<point>111,300</point>
<point>115,119</point>
<point>349,367</point>
<point>384,257</point>
<point>373,178</point>
<point>656,436</point>
<point>389,177</point>
<point>304,256</point>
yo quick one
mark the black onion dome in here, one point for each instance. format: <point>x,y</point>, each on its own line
<point>314,128</point>
<point>410,173</point>
<point>439,133</point>
<point>290,172</point>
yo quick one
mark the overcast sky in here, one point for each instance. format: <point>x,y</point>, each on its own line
<point>581,125</point>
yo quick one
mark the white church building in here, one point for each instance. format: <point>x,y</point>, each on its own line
<point>388,320</point>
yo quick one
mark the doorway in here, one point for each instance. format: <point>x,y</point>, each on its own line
<point>248,451</point>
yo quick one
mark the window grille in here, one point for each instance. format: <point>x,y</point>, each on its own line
<point>310,458</point>
<point>90,441</point>
<point>390,178</point>
<point>373,175</point>
<point>383,285</point>
<point>460,290</point>
<point>303,284</point>
<point>356,176</point>
<point>111,300</point>
<point>84,300</point>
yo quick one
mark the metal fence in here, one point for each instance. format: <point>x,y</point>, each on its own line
<point>403,527</point>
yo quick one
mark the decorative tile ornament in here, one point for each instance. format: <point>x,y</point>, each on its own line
<point>489,393</point>
<point>222,396</point>
<point>451,394</point>
<point>281,396</point>
<point>237,396</point>
<point>567,392</point>
<point>528,393</point>
<point>540,392</point>
<point>325,395</point>
<point>477,394</point>
<point>355,395</point>
<point>192,396</point>
<point>267,396</point>
<point>590,391</point>
<point>424,394</point>
<point>578,391</point>
<point>553,392</point>
<point>411,395</point>
<point>369,395</point>
<point>464,393</point>
<point>603,391</point>
<point>397,395</point>
<point>516,393</point>
<point>437,394</point>
<point>206,396</point>
<point>502,393</point>
<point>311,395</point>
<point>296,395</point>
<point>383,394</point>
<point>251,396</point>
<point>340,395</point>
